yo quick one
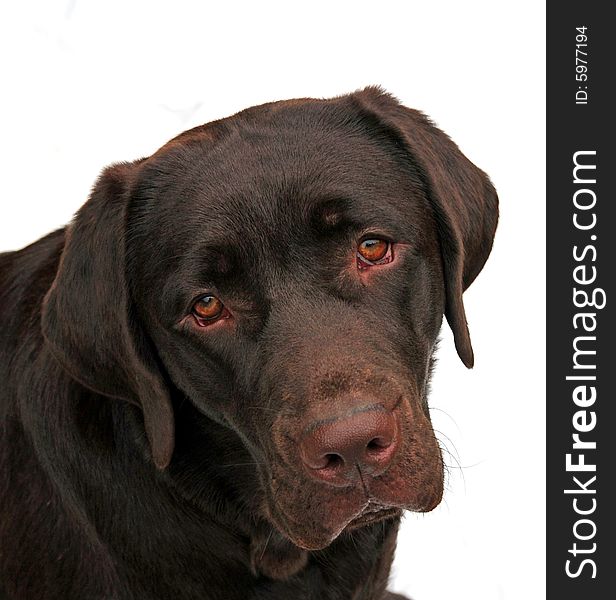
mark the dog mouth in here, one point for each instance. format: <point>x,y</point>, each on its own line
<point>313,517</point>
<point>312,511</point>
<point>324,531</point>
<point>373,513</point>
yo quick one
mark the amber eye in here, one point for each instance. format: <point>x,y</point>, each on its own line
<point>208,308</point>
<point>373,251</point>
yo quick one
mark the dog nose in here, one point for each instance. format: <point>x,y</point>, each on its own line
<point>336,451</point>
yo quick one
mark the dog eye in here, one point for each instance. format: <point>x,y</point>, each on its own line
<point>208,309</point>
<point>373,252</point>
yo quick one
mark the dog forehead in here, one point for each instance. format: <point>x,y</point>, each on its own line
<point>265,178</point>
<point>251,186</point>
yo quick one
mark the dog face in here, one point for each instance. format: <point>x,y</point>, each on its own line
<point>286,270</point>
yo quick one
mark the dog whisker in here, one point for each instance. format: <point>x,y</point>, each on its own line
<point>267,541</point>
<point>455,457</point>
<point>440,433</point>
<point>352,538</point>
<point>446,414</point>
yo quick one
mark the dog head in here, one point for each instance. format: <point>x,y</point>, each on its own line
<point>286,270</point>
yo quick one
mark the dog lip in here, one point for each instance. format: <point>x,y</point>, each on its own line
<point>373,513</point>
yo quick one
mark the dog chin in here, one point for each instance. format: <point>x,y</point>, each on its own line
<point>316,535</point>
<point>319,537</point>
<point>312,540</point>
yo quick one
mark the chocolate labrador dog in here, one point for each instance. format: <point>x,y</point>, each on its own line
<point>214,379</point>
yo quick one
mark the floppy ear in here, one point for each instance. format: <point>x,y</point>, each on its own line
<point>464,201</point>
<point>87,318</point>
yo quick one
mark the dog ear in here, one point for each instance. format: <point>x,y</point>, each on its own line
<point>463,199</point>
<point>87,316</point>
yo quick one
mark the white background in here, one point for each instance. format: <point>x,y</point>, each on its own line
<point>85,84</point>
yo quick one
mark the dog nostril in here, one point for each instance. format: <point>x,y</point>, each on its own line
<point>332,461</point>
<point>336,451</point>
<point>378,443</point>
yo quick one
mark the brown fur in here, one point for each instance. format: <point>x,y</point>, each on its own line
<point>144,457</point>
